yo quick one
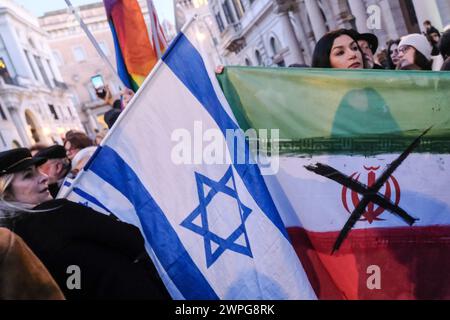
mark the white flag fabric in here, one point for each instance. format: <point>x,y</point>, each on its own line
<point>212,230</point>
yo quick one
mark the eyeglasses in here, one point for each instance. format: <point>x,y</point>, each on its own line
<point>404,49</point>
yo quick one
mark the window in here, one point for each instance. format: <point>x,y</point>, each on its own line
<point>274,45</point>
<point>70,112</point>
<point>79,54</point>
<point>42,70</point>
<point>4,72</point>
<point>258,58</point>
<point>53,111</point>
<point>49,65</point>
<point>248,62</point>
<point>58,58</point>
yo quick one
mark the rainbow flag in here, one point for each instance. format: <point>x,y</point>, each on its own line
<point>135,53</point>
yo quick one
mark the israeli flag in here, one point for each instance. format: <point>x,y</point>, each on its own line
<point>212,230</point>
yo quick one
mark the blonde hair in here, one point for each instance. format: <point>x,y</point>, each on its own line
<point>8,207</point>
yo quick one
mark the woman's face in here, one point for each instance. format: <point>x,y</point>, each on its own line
<point>394,54</point>
<point>345,54</point>
<point>406,55</point>
<point>30,186</point>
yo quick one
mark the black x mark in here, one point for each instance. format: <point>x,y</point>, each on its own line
<point>369,194</point>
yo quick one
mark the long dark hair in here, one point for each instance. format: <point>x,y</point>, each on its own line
<point>421,61</point>
<point>322,51</point>
<point>390,43</point>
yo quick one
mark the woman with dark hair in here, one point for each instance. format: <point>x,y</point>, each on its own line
<point>414,50</point>
<point>392,56</point>
<point>338,49</point>
<point>66,236</point>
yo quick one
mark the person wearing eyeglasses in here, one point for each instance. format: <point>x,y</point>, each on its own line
<point>414,53</point>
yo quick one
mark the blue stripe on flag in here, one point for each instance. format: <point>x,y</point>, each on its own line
<point>90,198</point>
<point>163,239</point>
<point>187,64</point>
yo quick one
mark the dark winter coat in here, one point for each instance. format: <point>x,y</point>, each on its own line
<point>110,254</point>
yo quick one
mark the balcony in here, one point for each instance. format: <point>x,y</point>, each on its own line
<point>232,38</point>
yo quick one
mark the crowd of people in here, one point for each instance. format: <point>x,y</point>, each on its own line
<point>349,49</point>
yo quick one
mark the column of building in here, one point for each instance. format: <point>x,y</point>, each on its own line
<point>12,42</point>
<point>304,41</point>
<point>316,18</point>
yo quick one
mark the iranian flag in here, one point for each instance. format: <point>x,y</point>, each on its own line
<point>364,174</point>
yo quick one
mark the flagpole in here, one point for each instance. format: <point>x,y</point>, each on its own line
<point>95,44</point>
<point>154,31</point>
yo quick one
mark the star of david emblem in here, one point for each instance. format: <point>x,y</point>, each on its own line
<point>207,220</point>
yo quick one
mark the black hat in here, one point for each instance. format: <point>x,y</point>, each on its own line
<point>371,39</point>
<point>16,160</point>
<point>53,152</point>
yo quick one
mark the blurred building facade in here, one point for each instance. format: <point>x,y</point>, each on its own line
<point>79,61</point>
<point>284,32</point>
<point>35,105</point>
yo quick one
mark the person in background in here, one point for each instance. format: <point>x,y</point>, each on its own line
<point>429,28</point>
<point>368,43</point>
<point>56,167</point>
<point>382,59</point>
<point>99,137</point>
<point>340,50</point>
<point>117,105</point>
<point>74,142</point>
<point>414,50</point>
